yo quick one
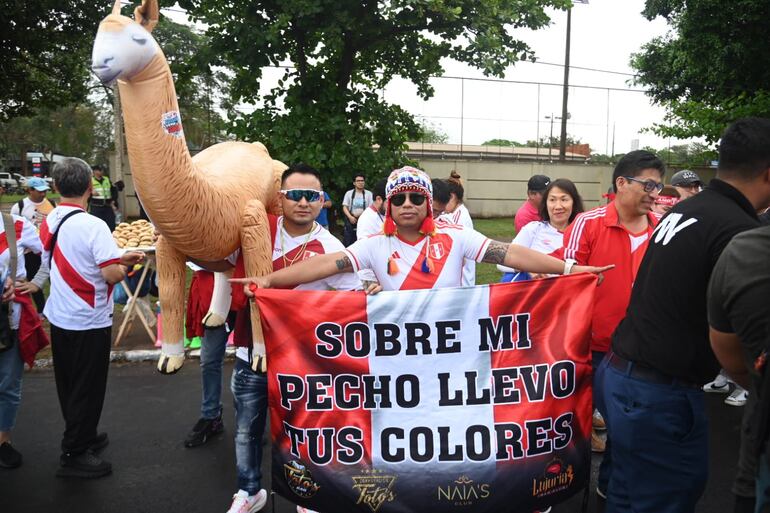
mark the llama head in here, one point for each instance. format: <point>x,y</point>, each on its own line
<point>124,47</point>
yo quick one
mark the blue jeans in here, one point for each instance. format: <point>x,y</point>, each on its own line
<point>659,446</point>
<point>250,400</point>
<point>212,360</point>
<point>598,365</point>
<point>11,370</point>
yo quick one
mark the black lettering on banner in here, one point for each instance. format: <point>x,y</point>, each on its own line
<point>342,385</point>
<point>444,399</point>
<point>508,437</point>
<point>358,342</point>
<point>372,389</point>
<point>414,391</point>
<point>498,336</point>
<point>562,426</point>
<point>444,453</point>
<point>563,379</point>
<point>350,439</point>
<point>292,389</point>
<point>502,381</point>
<point>534,386</point>
<point>476,453</point>
<point>427,445</point>
<point>447,342</point>
<point>328,335</point>
<point>387,339</point>
<point>417,333</point>
<point>385,438</point>
<point>296,436</point>
<point>318,392</point>
<point>474,396</point>
<point>320,452</point>
<point>538,441</point>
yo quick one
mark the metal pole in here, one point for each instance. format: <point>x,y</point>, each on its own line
<point>462,113</point>
<point>537,139</point>
<point>565,94</point>
<point>550,140</point>
<point>607,126</point>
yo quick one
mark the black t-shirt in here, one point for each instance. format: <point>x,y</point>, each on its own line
<point>666,325</point>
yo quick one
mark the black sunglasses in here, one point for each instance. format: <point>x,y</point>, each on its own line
<point>649,185</point>
<point>310,195</point>
<point>416,198</point>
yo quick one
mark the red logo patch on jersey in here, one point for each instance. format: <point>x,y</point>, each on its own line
<point>436,251</point>
<point>308,254</point>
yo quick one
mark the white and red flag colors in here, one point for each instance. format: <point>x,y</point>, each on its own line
<point>426,400</point>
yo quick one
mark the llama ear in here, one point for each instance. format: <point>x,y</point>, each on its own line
<point>147,14</point>
<point>116,8</point>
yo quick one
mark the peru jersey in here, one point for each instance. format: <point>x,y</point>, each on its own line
<point>80,299</point>
<point>26,240</point>
<point>462,216</point>
<point>448,248</point>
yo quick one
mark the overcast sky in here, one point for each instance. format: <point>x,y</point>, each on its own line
<point>604,35</point>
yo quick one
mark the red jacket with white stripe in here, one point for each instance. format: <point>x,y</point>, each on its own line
<point>597,238</point>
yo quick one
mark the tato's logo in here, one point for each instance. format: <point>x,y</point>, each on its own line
<point>300,480</point>
<point>555,478</point>
<point>463,492</point>
<point>374,489</point>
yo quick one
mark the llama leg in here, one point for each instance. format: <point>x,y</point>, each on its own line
<point>171,281</point>
<point>220,301</point>
<point>257,259</point>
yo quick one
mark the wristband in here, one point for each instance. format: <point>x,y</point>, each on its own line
<point>568,263</point>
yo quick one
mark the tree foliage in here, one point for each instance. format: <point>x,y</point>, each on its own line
<point>503,142</point>
<point>711,68</point>
<point>430,133</point>
<point>46,49</point>
<point>327,109</point>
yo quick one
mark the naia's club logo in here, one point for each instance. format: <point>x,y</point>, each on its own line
<point>300,480</point>
<point>374,489</point>
<point>463,492</point>
<point>555,478</point>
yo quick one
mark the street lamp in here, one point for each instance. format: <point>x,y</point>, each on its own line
<point>550,138</point>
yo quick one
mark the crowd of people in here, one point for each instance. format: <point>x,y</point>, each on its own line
<point>653,355</point>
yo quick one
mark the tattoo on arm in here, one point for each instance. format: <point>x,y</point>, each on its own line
<point>343,264</point>
<point>495,253</point>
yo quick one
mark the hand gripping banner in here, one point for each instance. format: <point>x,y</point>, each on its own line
<point>431,400</point>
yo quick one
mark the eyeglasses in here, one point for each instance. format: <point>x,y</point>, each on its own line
<point>415,198</point>
<point>310,195</point>
<point>649,185</point>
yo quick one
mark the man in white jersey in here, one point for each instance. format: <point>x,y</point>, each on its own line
<point>85,265</point>
<point>298,238</point>
<point>371,221</point>
<point>413,252</point>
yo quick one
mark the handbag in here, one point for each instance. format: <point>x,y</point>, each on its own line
<point>7,337</point>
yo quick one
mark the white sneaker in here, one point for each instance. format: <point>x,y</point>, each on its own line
<point>245,503</point>
<point>720,385</point>
<point>738,397</point>
<point>300,509</point>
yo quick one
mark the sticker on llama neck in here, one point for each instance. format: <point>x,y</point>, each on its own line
<point>172,123</point>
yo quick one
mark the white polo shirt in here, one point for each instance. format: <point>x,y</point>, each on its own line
<point>26,241</point>
<point>80,299</point>
<point>448,248</point>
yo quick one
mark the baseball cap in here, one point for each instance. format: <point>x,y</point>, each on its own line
<point>538,183</point>
<point>685,177</point>
<point>38,184</point>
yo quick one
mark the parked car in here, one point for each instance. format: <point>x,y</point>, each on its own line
<point>22,180</point>
<point>8,181</point>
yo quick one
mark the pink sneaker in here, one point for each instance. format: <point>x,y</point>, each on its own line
<point>245,503</point>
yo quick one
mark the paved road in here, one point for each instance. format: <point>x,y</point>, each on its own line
<point>147,416</point>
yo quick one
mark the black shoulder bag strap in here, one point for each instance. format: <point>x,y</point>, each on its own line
<point>55,236</point>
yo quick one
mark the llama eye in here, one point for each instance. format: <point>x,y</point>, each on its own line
<point>138,39</point>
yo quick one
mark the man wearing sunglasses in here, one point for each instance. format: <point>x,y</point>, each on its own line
<point>413,252</point>
<point>615,233</point>
<point>298,238</point>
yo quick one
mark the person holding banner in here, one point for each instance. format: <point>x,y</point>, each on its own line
<point>298,239</point>
<point>414,252</point>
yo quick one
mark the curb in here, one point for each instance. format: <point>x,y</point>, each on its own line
<point>138,355</point>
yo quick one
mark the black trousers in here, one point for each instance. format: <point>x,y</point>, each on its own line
<point>32,265</point>
<point>349,233</point>
<point>106,214</point>
<point>81,361</point>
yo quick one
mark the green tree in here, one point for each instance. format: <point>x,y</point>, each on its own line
<point>711,68</point>
<point>553,141</point>
<point>46,49</point>
<point>327,108</point>
<point>430,133</point>
<point>503,142</point>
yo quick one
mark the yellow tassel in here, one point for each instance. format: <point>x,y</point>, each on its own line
<point>392,266</point>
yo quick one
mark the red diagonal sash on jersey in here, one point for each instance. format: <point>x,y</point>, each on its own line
<point>439,246</point>
<point>18,225</point>
<point>79,285</point>
<point>314,247</point>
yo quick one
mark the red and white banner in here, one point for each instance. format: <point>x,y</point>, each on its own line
<point>431,399</point>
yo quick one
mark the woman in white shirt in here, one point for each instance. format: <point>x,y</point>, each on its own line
<point>455,212</point>
<point>561,203</point>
